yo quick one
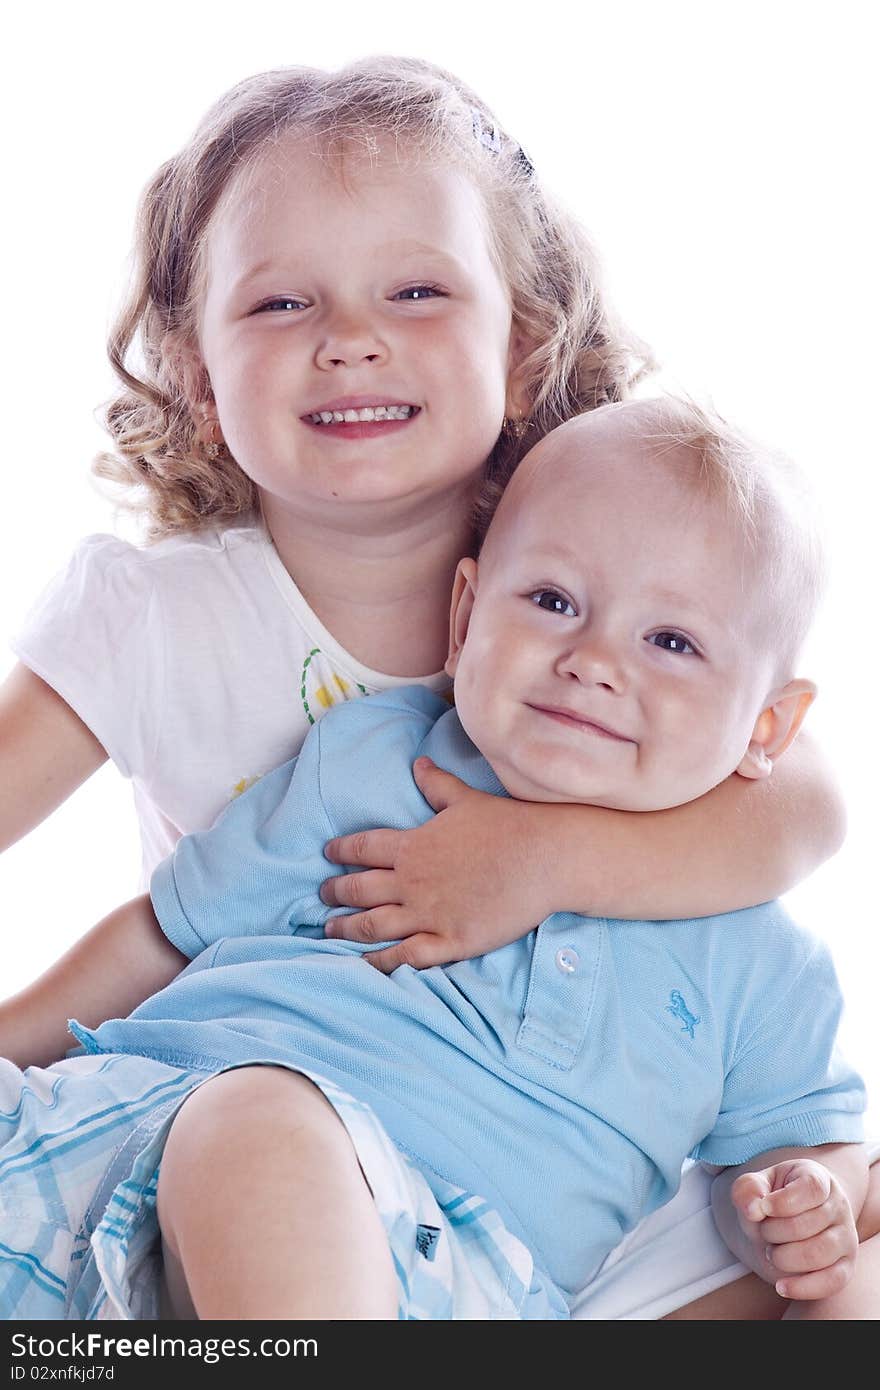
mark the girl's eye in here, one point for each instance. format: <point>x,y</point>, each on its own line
<point>413,293</point>
<point>673,642</point>
<point>283,304</point>
<point>553,602</point>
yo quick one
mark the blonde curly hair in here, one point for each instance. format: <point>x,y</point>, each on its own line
<point>579,357</point>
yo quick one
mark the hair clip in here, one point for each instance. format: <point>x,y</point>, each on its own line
<point>490,136</point>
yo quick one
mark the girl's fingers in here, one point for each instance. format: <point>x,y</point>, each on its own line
<point>380,924</point>
<point>373,849</point>
<point>439,788</point>
<point>372,888</point>
<point>420,951</point>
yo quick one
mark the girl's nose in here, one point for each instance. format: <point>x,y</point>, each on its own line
<point>594,661</point>
<point>349,341</point>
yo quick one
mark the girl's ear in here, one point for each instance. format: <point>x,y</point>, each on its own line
<point>185,361</point>
<point>464,591</point>
<point>518,403</point>
<point>775,728</point>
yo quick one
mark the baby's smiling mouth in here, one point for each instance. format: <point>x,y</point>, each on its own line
<point>576,720</point>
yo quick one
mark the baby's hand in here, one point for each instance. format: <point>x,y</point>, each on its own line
<point>799,1221</point>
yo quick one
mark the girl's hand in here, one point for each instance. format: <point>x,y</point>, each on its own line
<point>465,882</point>
<point>799,1222</point>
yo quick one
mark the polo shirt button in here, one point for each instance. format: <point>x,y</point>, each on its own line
<point>567,960</point>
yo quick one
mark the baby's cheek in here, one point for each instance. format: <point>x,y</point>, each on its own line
<point>679,767</point>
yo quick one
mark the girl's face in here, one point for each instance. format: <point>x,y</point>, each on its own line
<point>370,289</point>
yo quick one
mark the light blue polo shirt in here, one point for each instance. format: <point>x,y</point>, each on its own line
<point>564,1077</point>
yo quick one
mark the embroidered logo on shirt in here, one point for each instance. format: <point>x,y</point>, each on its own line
<point>679,1008</point>
<point>426,1241</point>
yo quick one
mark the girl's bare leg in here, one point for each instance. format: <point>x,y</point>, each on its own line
<point>264,1210</point>
<point>748,1299</point>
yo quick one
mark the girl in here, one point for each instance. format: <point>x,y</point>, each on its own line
<point>353,302</point>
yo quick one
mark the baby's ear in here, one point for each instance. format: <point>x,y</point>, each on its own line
<point>464,590</point>
<point>775,727</point>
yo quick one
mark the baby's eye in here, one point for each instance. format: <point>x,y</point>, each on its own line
<point>283,304</point>
<point>673,642</point>
<point>553,602</point>
<point>413,293</point>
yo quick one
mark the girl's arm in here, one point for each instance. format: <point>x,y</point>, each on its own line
<point>46,752</point>
<point>744,842</point>
<point>485,870</point>
<point>112,969</point>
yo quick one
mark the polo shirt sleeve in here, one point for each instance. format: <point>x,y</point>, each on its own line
<point>788,1085</point>
<point>257,871</point>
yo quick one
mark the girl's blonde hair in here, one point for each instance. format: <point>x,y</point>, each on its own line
<point>578,355</point>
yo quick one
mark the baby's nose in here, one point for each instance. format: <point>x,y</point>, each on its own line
<point>594,661</point>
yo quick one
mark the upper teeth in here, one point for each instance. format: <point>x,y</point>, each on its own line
<point>368,412</point>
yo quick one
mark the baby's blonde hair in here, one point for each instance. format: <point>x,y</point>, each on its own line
<point>767,496</point>
<point>579,356</point>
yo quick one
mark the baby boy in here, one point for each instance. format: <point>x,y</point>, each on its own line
<point>627,637</point>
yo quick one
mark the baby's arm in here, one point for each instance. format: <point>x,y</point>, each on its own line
<point>496,867</point>
<point>115,967</point>
<point>46,752</point>
<point>790,1215</point>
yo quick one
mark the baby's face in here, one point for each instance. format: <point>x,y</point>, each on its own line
<point>614,651</point>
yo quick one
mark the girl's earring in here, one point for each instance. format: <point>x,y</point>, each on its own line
<point>515,425</point>
<point>215,446</point>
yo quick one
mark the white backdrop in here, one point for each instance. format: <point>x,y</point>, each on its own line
<point>723,159</point>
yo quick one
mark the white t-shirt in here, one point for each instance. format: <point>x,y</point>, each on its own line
<point>196,662</point>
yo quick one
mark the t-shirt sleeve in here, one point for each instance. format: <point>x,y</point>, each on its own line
<point>95,636</point>
<point>788,1084</point>
<point>257,871</point>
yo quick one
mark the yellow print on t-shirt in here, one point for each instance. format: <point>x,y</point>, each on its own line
<point>321,687</point>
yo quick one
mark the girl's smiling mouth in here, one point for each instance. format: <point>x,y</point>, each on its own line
<point>358,417</point>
